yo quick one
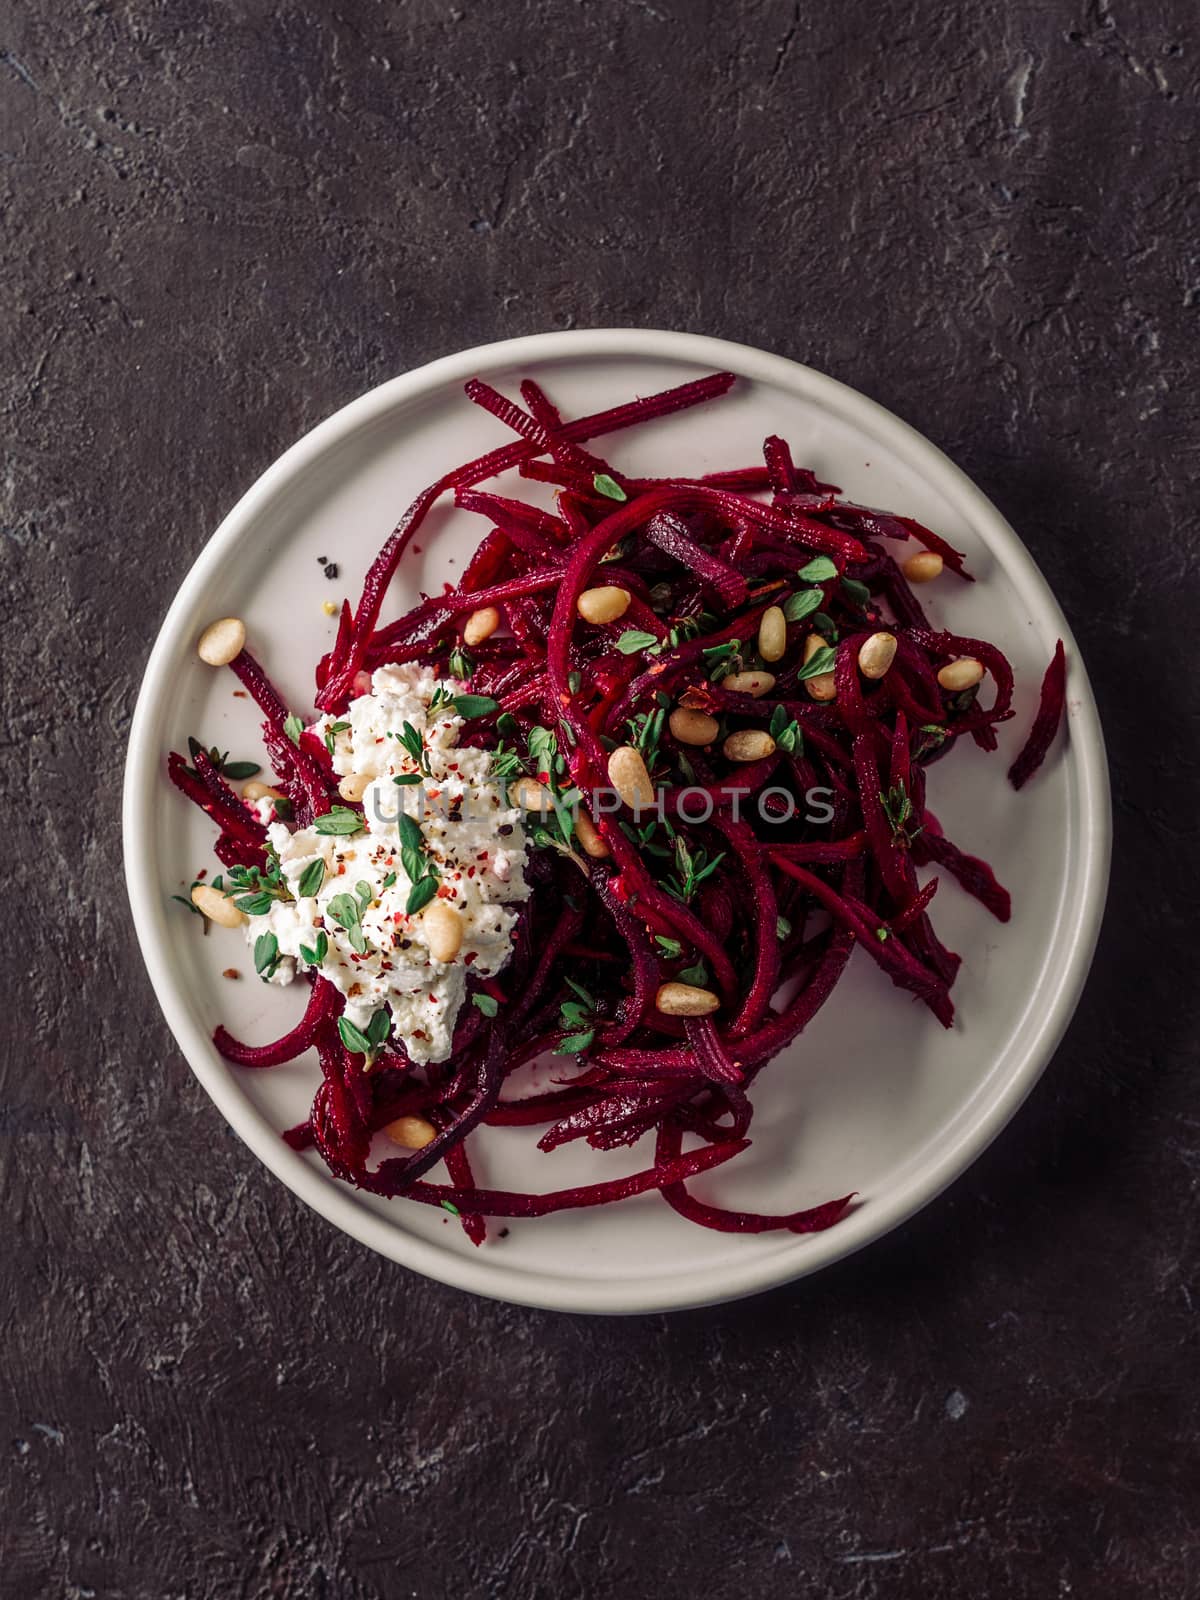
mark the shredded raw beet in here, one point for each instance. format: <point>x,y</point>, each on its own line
<point>1045,724</point>
<point>753,878</point>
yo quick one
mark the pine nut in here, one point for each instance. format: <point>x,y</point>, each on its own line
<point>412,1133</point>
<point>962,674</point>
<point>693,727</point>
<point>354,785</point>
<point>685,1000</point>
<point>255,791</point>
<point>754,683</point>
<point>924,567</point>
<point>217,907</point>
<point>606,604</point>
<point>221,641</point>
<point>481,625</point>
<point>590,837</point>
<point>442,925</point>
<point>628,776</point>
<point>823,687</point>
<point>529,794</point>
<point>772,634</point>
<point>877,654</point>
<point>749,744</point>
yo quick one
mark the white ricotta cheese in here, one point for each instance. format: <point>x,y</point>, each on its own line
<point>471,835</point>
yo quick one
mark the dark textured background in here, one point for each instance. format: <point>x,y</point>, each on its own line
<point>215,233</point>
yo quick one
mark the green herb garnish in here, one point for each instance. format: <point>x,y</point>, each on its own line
<point>340,820</point>
<point>266,954</point>
<point>311,879</point>
<point>635,639</point>
<point>823,661</point>
<point>798,606</point>
<point>608,487</point>
<point>786,732</point>
<point>314,956</point>
<point>819,570</point>
<point>474,705</point>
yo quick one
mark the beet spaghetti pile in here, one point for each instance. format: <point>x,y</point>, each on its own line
<point>714,701</point>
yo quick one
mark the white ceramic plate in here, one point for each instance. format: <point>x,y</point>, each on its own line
<point>876,1097</point>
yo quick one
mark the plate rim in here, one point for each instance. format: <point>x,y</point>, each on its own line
<point>1082,910</point>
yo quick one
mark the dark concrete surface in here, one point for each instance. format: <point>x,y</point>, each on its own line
<point>219,224</point>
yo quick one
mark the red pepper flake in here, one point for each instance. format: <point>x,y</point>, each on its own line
<point>445,892</point>
<point>239,694</point>
<point>482,856</point>
<point>231,972</point>
<point>468,958</point>
<point>203,872</point>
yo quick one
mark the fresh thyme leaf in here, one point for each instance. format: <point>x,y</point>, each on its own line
<point>899,811</point>
<point>783,928</point>
<point>389,880</point>
<point>785,731</point>
<point>331,733</point>
<point>824,661</point>
<point>184,901</point>
<point>237,770</point>
<point>459,663</point>
<point>486,1004</point>
<point>354,1038</point>
<point>341,820</point>
<point>609,487</point>
<point>448,1205</point>
<point>412,742</point>
<point>311,879</point>
<point>635,639</point>
<point>826,627</point>
<point>543,751</point>
<point>857,592</point>
<point>412,849</point>
<point>474,705</point>
<point>379,1027</point>
<point>293,727</point>
<point>266,954</point>
<point>364,892</point>
<point>819,570</point>
<point>421,893</point>
<point>798,606</point>
<point>575,1043</point>
<point>671,948</point>
<point>316,955</point>
<point>697,975</point>
<point>343,908</point>
<point>254,905</point>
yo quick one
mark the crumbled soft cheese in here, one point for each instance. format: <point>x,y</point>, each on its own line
<point>461,809</point>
